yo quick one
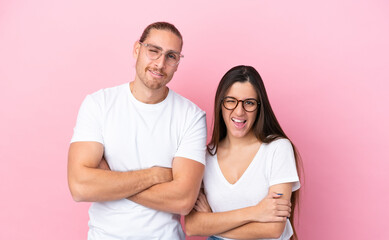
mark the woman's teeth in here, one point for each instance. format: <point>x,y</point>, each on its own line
<point>238,120</point>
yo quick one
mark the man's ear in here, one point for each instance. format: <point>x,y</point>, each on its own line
<point>135,51</point>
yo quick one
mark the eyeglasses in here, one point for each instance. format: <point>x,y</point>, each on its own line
<point>153,52</point>
<point>249,104</point>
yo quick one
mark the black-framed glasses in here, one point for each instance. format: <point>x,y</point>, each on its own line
<point>153,52</point>
<point>249,104</point>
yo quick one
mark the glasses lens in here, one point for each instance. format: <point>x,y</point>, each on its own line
<point>230,103</point>
<point>172,58</point>
<point>153,52</point>
<point>250,105</point>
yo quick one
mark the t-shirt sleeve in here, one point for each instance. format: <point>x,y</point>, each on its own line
<point>89,122</point>
<point>283,167</point>
<point>193,144</point>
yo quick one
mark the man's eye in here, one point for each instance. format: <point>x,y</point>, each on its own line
<point>153,50</point>
<point>172,56</point>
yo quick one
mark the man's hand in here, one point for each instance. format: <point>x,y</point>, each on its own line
<point>161,173</point>
<point>176,196</point>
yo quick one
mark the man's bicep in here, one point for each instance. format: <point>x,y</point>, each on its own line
<point>82,157</point>
<point>193,144</point>
<point>87,154</point>
<point>188,173</point>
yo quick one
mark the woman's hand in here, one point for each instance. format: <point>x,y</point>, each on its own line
<point>202,204</point>
<point>272,209</point>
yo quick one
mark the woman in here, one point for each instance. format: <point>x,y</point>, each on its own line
<point>251,179</point>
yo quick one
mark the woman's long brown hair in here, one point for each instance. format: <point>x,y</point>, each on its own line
<point>266,127</point>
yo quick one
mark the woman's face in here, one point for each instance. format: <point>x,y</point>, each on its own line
<point>238,121</point>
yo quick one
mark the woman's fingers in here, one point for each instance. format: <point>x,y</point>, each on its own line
<point>202,204</point>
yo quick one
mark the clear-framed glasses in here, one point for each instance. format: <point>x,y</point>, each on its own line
<point>153,52</point>
<point>249,104</point>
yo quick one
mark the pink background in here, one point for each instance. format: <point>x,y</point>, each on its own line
<point>325,65</point>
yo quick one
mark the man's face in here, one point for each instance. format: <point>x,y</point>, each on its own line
<point>155,74</point>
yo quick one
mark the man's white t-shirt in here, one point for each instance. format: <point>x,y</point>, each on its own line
<point>136,136</point>
<point>274,163</point>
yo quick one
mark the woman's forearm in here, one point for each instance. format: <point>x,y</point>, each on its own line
<point>208,223</point>
<point>255,230</point>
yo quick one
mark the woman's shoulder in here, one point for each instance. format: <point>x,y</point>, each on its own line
<point>279,144</point>
<point>280,141</point>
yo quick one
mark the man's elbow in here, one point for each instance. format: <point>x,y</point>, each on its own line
<point>186,207</point>
<point>78,192</point>
<point>75,192</point>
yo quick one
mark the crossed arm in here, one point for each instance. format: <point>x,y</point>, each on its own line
<point>180,194</point>
<point>171,190</point>
<point>265,220</point>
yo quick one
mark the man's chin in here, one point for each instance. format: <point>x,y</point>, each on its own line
<point>154,85</point>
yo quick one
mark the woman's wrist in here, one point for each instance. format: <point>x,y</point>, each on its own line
<point>248,214</point>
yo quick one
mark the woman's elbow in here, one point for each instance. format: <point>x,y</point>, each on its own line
<point>277,230</point>
<point>276,235</point>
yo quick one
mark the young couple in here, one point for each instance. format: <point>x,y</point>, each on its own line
<point>139,153</point>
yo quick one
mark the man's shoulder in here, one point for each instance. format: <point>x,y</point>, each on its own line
<point>182,102</point>
<point>107,95</point>
<point>110,91</point>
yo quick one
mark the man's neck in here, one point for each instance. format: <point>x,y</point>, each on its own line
<point>147,95</point>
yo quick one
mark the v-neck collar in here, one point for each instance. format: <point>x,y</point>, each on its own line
<point>221,175</point>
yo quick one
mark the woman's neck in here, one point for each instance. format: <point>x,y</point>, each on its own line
<point>233,142</point>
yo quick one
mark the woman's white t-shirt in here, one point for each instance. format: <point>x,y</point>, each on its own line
<point>274,163</point>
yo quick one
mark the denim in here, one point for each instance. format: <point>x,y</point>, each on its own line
<point>213,238</point>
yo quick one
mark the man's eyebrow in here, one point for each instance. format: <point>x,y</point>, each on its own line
<point>158,47</point>
<point>168,51</point>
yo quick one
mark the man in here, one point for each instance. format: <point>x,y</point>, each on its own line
<point>153,141</point>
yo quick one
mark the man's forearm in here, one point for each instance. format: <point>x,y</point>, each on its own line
<point>97,185</point>
<point>177,196</point>
<point>88,183</point>
<point>166,197</point>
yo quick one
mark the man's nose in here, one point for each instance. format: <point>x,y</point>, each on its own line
<point>160,62</point>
